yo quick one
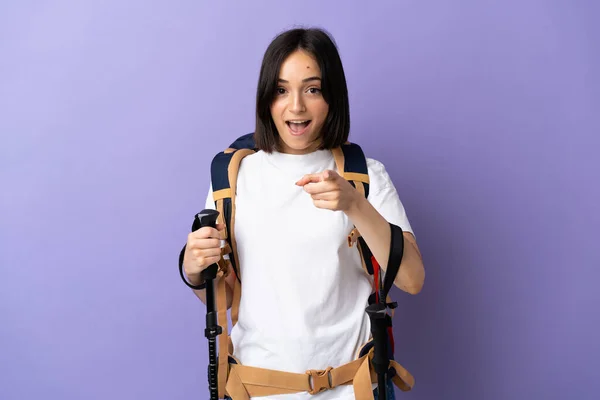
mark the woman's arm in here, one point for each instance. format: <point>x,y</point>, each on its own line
<point>376,232</point>
<point>330,191</point>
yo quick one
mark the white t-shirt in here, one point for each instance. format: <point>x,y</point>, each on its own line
<point>304,291</point>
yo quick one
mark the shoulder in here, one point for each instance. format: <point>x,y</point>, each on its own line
<point>378,176</point>
<point>384,196</point>
<point>375,166</point>
<point>223,161</point>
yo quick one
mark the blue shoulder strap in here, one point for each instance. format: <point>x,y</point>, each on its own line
<point>355,166</point>
<point>351,161</point>
<point>244,142</point>
<point>224,169</point>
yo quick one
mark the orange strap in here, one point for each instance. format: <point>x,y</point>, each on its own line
<point>233,169</point>
<point>246,382</point>
<point>221,297</point>
<point>338,156</point>
<point>221,292</point>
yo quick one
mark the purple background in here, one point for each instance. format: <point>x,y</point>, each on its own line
<point>485,114</point>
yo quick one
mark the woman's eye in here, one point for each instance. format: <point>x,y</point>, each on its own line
<point>280,90</point>
<point>314,90</point>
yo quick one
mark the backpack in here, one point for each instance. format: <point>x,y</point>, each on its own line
<point>242,382</point>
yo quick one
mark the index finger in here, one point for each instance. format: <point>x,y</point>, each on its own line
<point>314,178</point>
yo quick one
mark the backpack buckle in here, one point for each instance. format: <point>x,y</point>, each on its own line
<point>353,237</point>
<point>319,380</point>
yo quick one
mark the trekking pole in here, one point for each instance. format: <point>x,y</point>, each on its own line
<point>204,218</point>
<point>377,314</point>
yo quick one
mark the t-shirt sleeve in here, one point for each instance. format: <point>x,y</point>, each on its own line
<point>384,196</point>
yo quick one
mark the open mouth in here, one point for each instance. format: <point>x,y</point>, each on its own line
<point>297,128</point>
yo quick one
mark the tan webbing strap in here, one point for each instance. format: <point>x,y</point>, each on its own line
<point>221,218</point>
<point>403,379</point>
<point>224,266</point>
<point>221,194</point>
<point>338,156</point>
<point>225,249</point>
<point>366,375</point>
<point>263,382</point>
<point>235,387</point>
<point>232,170</point>
<point>363,390</point>
<point>235,303</point>
<point>223,345</point>
<point>345,374</point>
<point>356,177</point>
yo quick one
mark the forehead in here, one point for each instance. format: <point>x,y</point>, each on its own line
<point>299,65</point>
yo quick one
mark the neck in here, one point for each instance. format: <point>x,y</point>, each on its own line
<point>285,149</point>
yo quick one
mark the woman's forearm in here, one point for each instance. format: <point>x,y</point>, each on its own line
<point>376,232</point>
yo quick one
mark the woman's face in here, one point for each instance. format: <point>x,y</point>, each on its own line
<point>299,109</point>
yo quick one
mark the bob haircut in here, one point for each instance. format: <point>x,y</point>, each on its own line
<point>320,45</point>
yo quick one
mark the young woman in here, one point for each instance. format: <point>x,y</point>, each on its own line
<point>304,290</point>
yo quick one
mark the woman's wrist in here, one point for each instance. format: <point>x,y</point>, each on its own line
<point>196,280</point>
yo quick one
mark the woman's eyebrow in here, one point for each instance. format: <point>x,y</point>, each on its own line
<point>312,78</point>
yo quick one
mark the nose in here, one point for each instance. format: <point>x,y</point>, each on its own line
<point>296,105</point>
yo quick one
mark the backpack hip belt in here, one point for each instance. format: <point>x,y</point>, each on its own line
<point>245,382</point>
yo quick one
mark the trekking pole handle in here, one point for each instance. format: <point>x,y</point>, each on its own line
<point>207,217</point>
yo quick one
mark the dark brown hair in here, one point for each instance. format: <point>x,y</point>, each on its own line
<point>321,46</point>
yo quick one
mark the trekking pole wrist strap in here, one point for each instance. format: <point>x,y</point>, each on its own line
<point>394,259</point>
<point>201,286</point>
